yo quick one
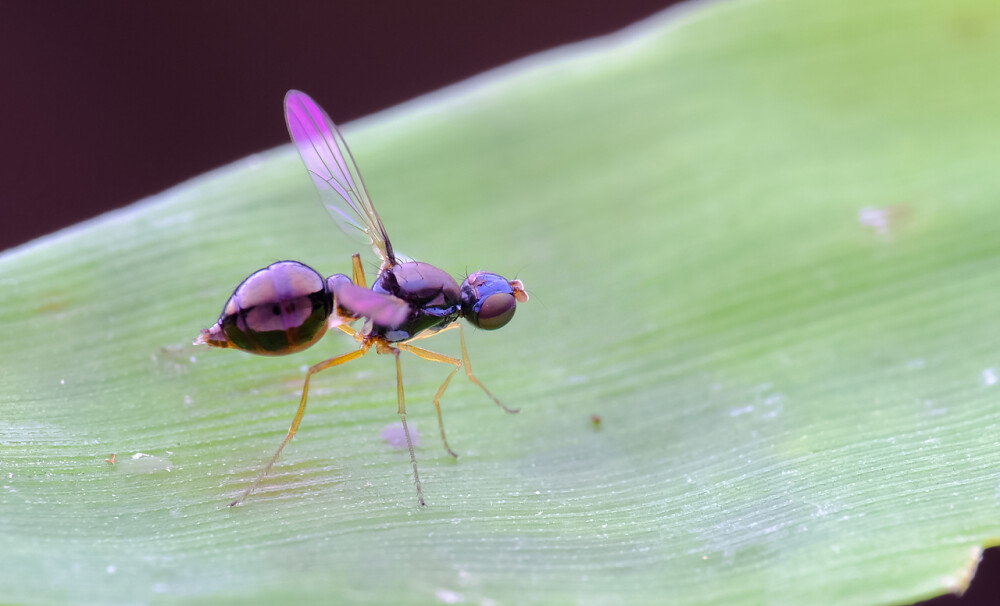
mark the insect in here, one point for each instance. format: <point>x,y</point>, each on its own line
<point>288,306</point>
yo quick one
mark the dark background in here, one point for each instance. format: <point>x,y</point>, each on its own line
<point>105,103</point>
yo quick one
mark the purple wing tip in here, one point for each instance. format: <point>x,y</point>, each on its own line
<point>297,97</point>
<point>297,103</point>
<point>308,123</point>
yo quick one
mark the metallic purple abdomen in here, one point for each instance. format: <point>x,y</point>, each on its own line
<point>278,310</point>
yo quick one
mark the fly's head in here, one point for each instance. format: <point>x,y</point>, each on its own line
<point>489,300</point>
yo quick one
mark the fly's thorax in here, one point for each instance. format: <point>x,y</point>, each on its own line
<point>419,284</point>
<point>432,294</point>
<point>278,310</point>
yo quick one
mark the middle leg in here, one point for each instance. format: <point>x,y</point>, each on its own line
<point>386,348</point>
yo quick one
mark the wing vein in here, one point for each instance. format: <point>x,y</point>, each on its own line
<point>334,172</point>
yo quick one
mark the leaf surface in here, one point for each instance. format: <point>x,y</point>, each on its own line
<point>761,244</point>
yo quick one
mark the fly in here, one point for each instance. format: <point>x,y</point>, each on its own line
<point>288,306</point>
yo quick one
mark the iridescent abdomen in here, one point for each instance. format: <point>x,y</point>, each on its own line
<point>278,310</point>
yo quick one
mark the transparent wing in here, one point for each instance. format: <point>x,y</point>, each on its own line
<point>332,168</point>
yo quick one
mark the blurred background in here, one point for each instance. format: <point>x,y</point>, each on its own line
<point>106,103</point>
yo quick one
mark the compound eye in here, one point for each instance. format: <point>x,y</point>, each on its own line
<point>496,310</point>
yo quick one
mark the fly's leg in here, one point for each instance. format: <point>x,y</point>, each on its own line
<point>359,271</point>
<point>302,409</point>
<point>433,333</point>
<point>468,372</point>
<point>433,356</point>
<point>402,417</point>
<point>436,357</point>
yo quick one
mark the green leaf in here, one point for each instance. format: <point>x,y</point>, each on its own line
<point>761,244</point>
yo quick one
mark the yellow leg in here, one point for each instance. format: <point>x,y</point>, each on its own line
<point>302,409</point>
<point>436,357</point>
<point>402,418</point>
<point>359,271</point>
<point>357,335</point>
<point>433,333</point>
<point>468,372</point>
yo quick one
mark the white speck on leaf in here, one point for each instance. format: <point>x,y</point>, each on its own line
<point>146,463</point>
<point>448,596</point>
<point>989,377</point>
<point>875,218</point>
<point>933,409</point>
